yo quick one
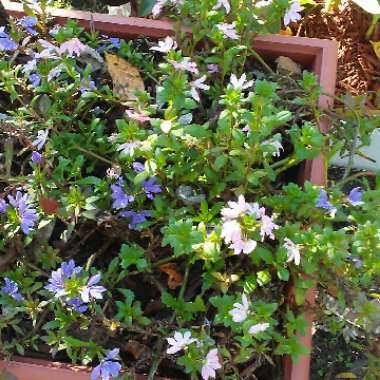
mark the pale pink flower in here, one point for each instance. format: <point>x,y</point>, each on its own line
<point>179,342</point>
<point>245,246</point>
<point>241,83</point>
<point>267,227</point>
<point>211,365</point>
<point>185,65</point>
<point>231,231</point>
<point>198,84</point>
<point>72,47</point>
<point>229,30</point>
<point>292,251</point>
<point>157,8</point>
<point>240,311</point>
<point>165,46</point>
<point>221,4</point>
<point>293,13</point>
<point>260,327</point>
<point>137,116</point>
<point>49,50</point>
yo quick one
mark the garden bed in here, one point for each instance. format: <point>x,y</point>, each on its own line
<point>144,256</point>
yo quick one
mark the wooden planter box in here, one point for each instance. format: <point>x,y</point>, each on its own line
<point>316,55</point>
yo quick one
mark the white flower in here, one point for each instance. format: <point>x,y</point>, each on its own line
<point>229,30</point>
<point>128,148</point>
<point>231,231</point>
<point>211,365</point>
<point>240,311</point>
<point>263,3</point>
<point>235,209</point>
<point>260,327</point>
<point>293,13</point>
<point>185,65</point>
<point>245,246</point>
<point>179,342</point>
<point>165,46</point>
<point>277,145</point>
<point>198,84</point>
<point>221,4</point>
<point>30,66</point>
<point>241,83</point>
<point>72,47</point>
<point>292,251</point>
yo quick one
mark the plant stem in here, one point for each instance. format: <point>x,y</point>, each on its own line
<point>353,177</point>
<point>95,155</point>
<point>371,28</point>
<point>261,60</point>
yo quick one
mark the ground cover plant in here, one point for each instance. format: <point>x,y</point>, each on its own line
<point>150,215</point>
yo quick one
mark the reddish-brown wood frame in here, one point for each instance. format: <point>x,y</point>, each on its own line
<point>319,56</point>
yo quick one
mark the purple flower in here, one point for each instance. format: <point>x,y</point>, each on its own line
<point>57,280</point>
<point>3,206</point>
<point>28,23</point>
<point>355,197</point>
<point>34,79</point>
<point>88,85</point>
<point>150,187</point>
<point>36,157</point>
<point>11,288</point>
<point>323,202</point>
<point>120,198</point>
<point>91,290</point>
<point>27,215</point>
<point>212,68</point>
<point>40,141</point>
<point>77,304</point>
<point>6,43</point>
<point>138,167</point>
<point>135,217</point>
<point>115,42</point>
<point>108,367</point>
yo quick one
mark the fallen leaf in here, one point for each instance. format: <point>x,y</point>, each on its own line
<point>286,32</point>
<point>136,349</point>
<point>346,375</point>
<point>126,78</point>
<point>175,276</point>
<point>49,205</point>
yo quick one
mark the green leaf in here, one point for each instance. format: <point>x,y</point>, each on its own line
<point>181,236</point>
<point>133,255</point>
<point>283,274</point>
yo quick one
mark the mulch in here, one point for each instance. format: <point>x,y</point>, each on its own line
<point>358,65</point>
